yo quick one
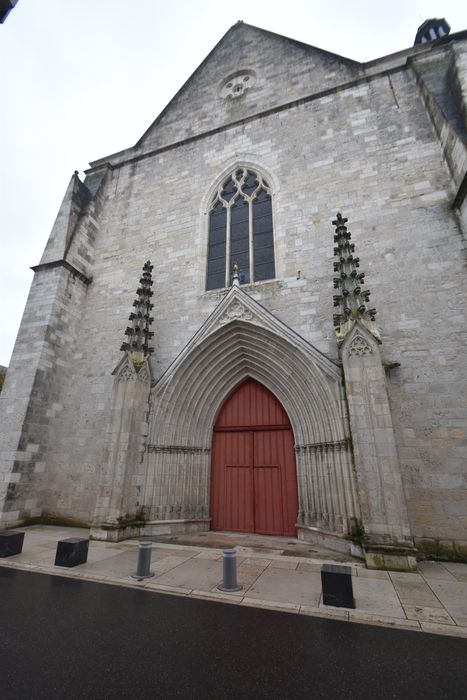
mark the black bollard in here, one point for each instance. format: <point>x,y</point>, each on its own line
<point>72,552</point>
<point>229,572</point>
<point>144,562</point>
<point>11,542</point>
<point>336,581</point>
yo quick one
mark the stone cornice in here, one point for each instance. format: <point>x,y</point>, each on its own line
<point>68,266</point>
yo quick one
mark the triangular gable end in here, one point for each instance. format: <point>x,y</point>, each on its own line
<point>274,66</point>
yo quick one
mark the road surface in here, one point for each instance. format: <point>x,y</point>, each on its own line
<point>67,639</point>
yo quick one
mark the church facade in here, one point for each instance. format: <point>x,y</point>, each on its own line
<point>255,318</point>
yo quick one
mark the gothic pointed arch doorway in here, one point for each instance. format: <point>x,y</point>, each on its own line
<point>253,472</point>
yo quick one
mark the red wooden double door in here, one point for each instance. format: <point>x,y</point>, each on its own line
<point>253,474</point>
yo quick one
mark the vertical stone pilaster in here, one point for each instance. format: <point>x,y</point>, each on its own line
<point>118,506</point>
<point>124,445</point>
<point>379,483</point>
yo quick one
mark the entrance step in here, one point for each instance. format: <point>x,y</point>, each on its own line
<point>247,543</point>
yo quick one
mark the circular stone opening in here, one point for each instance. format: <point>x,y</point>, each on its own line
<point>237,83</point>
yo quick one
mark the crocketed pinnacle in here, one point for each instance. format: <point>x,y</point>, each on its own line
<point>137,347</point>
<point>351,299</point>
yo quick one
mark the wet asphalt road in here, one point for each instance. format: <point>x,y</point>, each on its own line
<point>62,638</point>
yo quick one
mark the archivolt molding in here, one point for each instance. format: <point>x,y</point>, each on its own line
<point>239,306</point>
<point>241,339</point>
<point>187,399</point>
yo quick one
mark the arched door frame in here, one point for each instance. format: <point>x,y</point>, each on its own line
<point>253,466</point>
<point>241,339</point>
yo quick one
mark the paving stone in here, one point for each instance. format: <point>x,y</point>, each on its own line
<point>455,567</point>
<point>376,597</point>
<point>121,564</point>
<point>277,564</point>
<point>257,562</point>
<point>285,586</point>
<point>219,595</point>
<point>175,590</point>
<point>373,619</point>
<point>193,574</point>
<point>329,612</point>
<point>166,563</point>
<point>316,566</point>
<point>246,578</point>
<point>259,603</point>
<point>371,573</point>
<point>425,614</point>
<point>213,556</point>
<point>435,570</point>
<point>453,595</point>
<point>413,590</point>
<point>458,570</point>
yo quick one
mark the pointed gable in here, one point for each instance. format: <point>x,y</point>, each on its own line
<point>249,71</point>
<point>239,307</point>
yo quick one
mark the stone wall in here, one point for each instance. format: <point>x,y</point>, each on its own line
<point>369,150</point>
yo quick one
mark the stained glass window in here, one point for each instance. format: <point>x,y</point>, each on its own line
<point>240,231</point>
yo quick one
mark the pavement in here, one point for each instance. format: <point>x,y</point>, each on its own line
<point>278,574</point>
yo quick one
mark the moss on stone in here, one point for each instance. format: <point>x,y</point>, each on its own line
<point>56,520</point>
<point>442,550</point>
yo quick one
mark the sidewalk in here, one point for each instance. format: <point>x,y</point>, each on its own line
<point>433,600</point>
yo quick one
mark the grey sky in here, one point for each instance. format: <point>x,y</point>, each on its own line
<point>84,78</point>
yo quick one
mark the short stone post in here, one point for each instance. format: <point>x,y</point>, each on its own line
<point>229,572</point>
<point>336,582</point>
<point>72,552</point>
<point>144,562</point>
<point>11,542</point>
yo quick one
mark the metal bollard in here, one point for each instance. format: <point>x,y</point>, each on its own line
<point>229,572</point>
<point>144,562</point>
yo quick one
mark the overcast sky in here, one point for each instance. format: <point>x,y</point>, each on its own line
<point>82,79</point>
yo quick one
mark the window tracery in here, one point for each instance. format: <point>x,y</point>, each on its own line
<point>240,230</point>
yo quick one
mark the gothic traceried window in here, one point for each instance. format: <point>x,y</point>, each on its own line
<point>240,230</point>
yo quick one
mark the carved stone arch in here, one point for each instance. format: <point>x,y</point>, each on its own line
<point>186,402</point>
<point>235,351</point>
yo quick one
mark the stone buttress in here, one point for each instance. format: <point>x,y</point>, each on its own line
<point>118,511</point>
<point>41,364</point>
<point>387,539</point>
